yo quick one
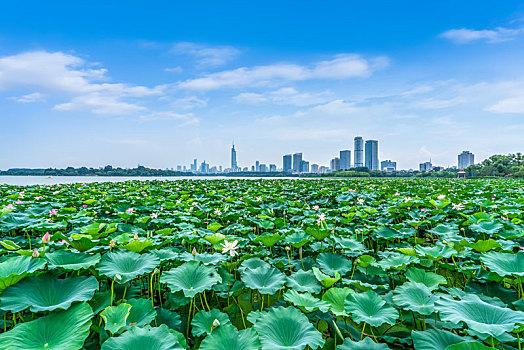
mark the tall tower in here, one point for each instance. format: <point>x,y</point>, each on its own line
<point>233,158</point>
<point>297,158</point>
<point>359,151</point>
<point>345,160</point>
<point>372,154</point>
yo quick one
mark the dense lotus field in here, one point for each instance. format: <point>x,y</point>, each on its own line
<point>263,264</point>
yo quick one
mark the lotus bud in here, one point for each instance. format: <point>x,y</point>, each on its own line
<point>112,244</point>
<point>156,271</point>
<point>117,278</point>
<point>136,236</point>
<point>216,323</point>
<point>46,238</point>
<point>35,254</point>
<point>194,251</point>
<point>287,248</point>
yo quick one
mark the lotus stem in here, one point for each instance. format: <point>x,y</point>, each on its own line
<point>205,300</point>
<point>159,292</point>
<point>151,290</point>
<point>518,337</point>
<point>189,317</point>
<point>229,279</point>
<point>112,290</point>
<point>125,290</point>
<point>262,306</point>
<point>363,328</point>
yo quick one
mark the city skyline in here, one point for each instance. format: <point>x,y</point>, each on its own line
<point>161,85</point>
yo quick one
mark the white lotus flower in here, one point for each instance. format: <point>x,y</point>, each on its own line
<point>459,206</point>
<point>230,247</point>
<point>441,197</point>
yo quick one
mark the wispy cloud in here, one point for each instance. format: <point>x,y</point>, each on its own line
<point>166,116</point>
<point>68,76</point>
<point>465,35</point>
<point>343,66</point>
<point>284,96</point>
<point>206,55</point>
<point>30,98</point>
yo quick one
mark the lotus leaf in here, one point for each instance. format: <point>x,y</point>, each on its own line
<point>304,281</point>
<point>127,264</point>
<point>265,280</point>
<point>305,301</point>
<point>115,317</point>
<point>227,337</point>
<point>13,269</point>
<point>203,321</point>
<point>69,261</point>
<point>60,330</point>
<point>192,278</point>
<point>369,307</point>
<point>141,338</point>
<point>366,344</point>
<point>287,328</point>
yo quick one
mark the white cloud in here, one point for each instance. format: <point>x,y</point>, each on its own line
<point>508,105</point>
<point>166,116</point>
<point>206,55</point>
<point>284,96</point>
<point>189,102</point>
<point>464,35</point>
<point>30,98</point>
<point>342,66</point>
<point>67,76</point>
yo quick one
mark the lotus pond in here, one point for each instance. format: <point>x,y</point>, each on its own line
<point>263,264</point>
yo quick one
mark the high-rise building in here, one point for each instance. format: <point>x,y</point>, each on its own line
<point>426,166</point>
<point>233,158</point>
<point>314,168</point>
<point>334,164</point>
<point>297,158</point>
<point>388,166</point>
<point>195,168</point>
<point>345,160</point>
<point>257,166</point>
<point>262,168</point>
<point>359,151</point>
<point>465,159</point>
<point>371,156</point>
<point>287,163</point>
<point>272,168</point>
<point>304,166</point>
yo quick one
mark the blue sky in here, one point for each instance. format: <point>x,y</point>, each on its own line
<point>98,82</point>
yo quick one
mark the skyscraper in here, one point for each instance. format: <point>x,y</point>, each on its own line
<point>335,164</point>
<point>465,159</point>
<point>345,160</point>
<point>297,158</point>
<point>233,158</point>
<point>359,151</point>
<point>371,160</point>
<point>304,166</point>
<point>286,163</point>
<point>388,165</point>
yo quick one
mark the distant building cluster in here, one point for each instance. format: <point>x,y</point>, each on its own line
<point>365,155</point>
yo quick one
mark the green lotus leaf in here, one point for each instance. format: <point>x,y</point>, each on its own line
<point>203,321</point>
<point>287,328</point>
<point>100,301</point>
<point>127,264</point>
<point>141,314</point>
<point>192,278</point>
<point>269,239</point>
<point>165,254</point>
<point>115,317</point>
<point>138,245</point>
<point>204,258</point>
<point>350,244</point>
<point>397,262</point>
<point>253,263</point>
<point>59,330</point>
<point>479,315</point>
<point>482,246</point>
<point>13,269</point>
<point>371,308</point>
<point>366,344</point>
<point>487,227</point>
<point>228,337</point>
<point>265,280</point>
<point>504,264</point>
<point>169,318</point>
<point>335,297</point>
<point>329,263</point>
<point>304,281</point>
<point>448,232</point>
<point>415,297</point>
<point>469,345</point>
<point>83,243</point>
<point>325,280</point>
<point>429,279</point>
<point>47,293</point>
<point>305,301</point>
<point>69,261</point>
<point>435,339</point>
<point>436,252</point>
<point>10,245</point>
<point>142,338</point>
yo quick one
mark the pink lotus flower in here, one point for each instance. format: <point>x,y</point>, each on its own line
<point>424,210</point>
<point>53,212</point>
<point>397,194</point>
<point>10,206</point>
<point>19,202</point>
<point>35,254</point>
<point>46,238</point>
<point>136,236</point>
<point>130,211</point>
<point>84,206</point>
